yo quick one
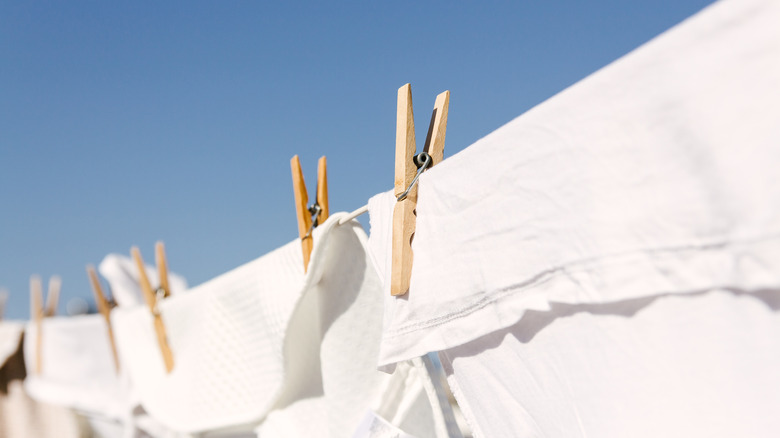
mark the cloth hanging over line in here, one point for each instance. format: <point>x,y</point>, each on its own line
<point>77,366</point>
<point>267,344</point>
<point>20,415</point>
<point>654,174</point>
<point>121,273</point>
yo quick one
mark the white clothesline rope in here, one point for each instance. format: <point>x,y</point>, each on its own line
<point>353,215</point>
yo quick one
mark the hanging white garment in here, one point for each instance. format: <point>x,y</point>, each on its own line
<point>78,369</point>
<point>21,416</point>
<point>653,179</point>
<point>655,174</point>
<point>121,273</point>
<point>267,341</point>
<point>78,372</point>
<point>677,365</point>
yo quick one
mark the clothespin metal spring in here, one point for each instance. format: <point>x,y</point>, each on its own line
<point>422,161</point>
<point>315,211</point>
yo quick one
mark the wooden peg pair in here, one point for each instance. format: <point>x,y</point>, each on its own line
<point>104,307</point>
<point>305,213</point>
<point>38,312</point>
<point>154,296</point>
<point>404,214</point>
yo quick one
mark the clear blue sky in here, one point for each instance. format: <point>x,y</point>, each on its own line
<point>122,123</point>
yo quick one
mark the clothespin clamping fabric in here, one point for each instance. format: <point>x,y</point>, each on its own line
<point>104,307</point>
<point>309,216</point>
<point>38,312</point>
<point>408,168</point>
<point>154,296</point>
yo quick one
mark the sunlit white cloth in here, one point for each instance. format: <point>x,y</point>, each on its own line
<point>271,346</point>
<point>121,272</point>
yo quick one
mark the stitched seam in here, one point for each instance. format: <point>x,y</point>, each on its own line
<point>551,273</point>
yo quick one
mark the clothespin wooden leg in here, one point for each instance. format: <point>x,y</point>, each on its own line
<point>162,268</point>
<point>404,212</point>
<point>151,301</point>
<point>322,190</point>
<point>53,297</point>
<point>36,313</point>
<point>301,210</point>
<point>104,308</point>
<point>437,130</point>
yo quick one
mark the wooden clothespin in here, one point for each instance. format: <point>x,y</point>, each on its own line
<point>154,296</point>
<point>408,168</point>
<point>37,311</point>
<point>309,216</point>
<point>104,307</point>
<point>53,298</point>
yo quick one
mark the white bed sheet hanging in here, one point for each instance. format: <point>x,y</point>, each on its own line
<point>678,365</point>
<point>656,174</point>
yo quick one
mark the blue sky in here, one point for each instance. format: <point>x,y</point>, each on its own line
<point>125,123</point>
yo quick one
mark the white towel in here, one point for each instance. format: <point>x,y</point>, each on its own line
<point>265,339</point>
<point>655,174</point>
<point>121,273</point>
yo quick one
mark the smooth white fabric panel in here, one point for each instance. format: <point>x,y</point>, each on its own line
<point>701,364</point>
<point>656,174</point>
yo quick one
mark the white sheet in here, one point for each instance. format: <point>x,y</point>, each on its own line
<point>700,364</point>
<point>657,174</point>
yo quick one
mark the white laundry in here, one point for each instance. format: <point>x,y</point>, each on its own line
<point>21,416</point>
<point>121,272</point>
<point>267,343</point>
<point>655,174</point>
<point>673,366</point>
<point>78,368</point>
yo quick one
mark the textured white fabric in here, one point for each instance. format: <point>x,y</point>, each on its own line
<point>700,364</point>
<point>333,380</point>
<point>10,335</point>
<point>267,340</point>
<point>77,366</point>
<point>121,273</point>
<point>655,174</point>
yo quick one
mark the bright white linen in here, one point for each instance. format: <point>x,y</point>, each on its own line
<point>121,273</point>
<point>701,364</point>
<point>267,344</point>
<point>656,174</point>
<point>77,366</point>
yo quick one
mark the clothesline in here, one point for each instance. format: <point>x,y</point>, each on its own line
<point>360,211</point>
